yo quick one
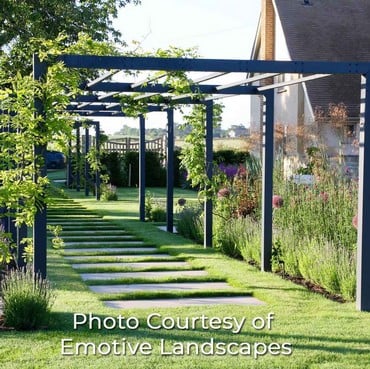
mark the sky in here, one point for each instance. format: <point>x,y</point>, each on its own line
<point>220,29</point>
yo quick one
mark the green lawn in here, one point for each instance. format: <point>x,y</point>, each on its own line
<point>322,333</point>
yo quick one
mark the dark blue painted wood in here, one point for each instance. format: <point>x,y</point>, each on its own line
<point>208,206</point>
<point>160,88</point>
<point>363,215</point>
<point>267,180</point>
<point>87,166</point>
<point>97,172</point>
<point>142,168</point>
<point>69,165</point>
<point>170,169</point>
<point>212,65</point>
<point>39,226</point>
<point>78,159</point>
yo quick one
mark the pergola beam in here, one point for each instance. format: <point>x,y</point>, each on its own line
<point>292,82</point>
<point>259,77</point>
<point>148,80</point>
<point>102,78</point>
<point>209,77</point>
<point>119,87</point>
<point>212,65</point>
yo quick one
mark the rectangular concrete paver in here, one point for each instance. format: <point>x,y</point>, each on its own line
<point>148,275</point>
<point>101,243</point>
<point>173,303</point>
<point>111,250</point>
<point>156,287</point>
<point>102,237</point>
<point>121,257</point>
<point>138,265</point>
<point>93,232</point>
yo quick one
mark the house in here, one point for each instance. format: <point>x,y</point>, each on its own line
<point>238,131</point>
<point>315,30</point>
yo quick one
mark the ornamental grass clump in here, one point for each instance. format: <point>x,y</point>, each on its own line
<point>27,299</point>
<point>190,224</point>
<point>109,193</point>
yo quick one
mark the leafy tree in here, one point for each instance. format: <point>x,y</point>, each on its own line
<point>22,21</point>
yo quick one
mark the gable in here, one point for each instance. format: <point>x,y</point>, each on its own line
<point>328,30</point>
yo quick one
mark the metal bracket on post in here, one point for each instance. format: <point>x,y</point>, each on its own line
<point>170,169</point>
<point>142,168</point>
<point>363,215</point>
<point>40,220</point>
<point>267,180</point>
<point>208,206</point>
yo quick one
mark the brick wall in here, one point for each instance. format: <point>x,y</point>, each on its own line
<point>267,30</point>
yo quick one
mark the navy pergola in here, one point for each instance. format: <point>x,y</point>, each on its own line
<point>92,104</point>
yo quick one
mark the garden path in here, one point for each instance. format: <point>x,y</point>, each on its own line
<point>127,272</point>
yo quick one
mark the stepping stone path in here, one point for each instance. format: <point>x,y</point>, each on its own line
<point>119,266</point>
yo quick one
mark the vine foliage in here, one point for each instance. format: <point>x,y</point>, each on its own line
<point>23,185</point>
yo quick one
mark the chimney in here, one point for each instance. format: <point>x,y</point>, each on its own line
<point>267,30</point>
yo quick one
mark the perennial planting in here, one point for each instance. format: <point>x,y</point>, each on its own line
<point>314,225</point>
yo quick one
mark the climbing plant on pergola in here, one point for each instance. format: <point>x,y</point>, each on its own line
<point>100,99</point>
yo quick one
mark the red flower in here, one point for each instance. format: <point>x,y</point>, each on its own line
<point>277,201</point>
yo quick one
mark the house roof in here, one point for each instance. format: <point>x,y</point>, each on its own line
<point>328,30</point>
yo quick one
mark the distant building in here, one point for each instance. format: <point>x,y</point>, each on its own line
<point>238,131</point>
<point>315,30</point>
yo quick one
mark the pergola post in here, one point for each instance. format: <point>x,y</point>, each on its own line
<point>363,215</point>
<point>267,179</point>
<point>97,172</point>
<point>208,206</point>
<point>87,166</point>
<point>142,168</point>
<point>69,165</point>
<point>170,169</point>
<point>40,220</point>
<point>78,158</point>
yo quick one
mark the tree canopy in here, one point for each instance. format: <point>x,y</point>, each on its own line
<point>22,21</point>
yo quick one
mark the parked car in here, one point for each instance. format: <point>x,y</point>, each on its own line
<point>55,160</point>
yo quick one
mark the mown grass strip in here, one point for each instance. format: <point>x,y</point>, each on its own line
<point>134,280</point>
<point>121,258</point>
<point>152,295</point>
<point>121,268</point>
<point>91,244</point>
<point>111,251</point>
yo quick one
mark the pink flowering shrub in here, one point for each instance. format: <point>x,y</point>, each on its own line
<point>223,193</point>
<point>277,201</point>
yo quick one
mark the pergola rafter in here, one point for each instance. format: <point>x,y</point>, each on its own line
<point>105,105</point>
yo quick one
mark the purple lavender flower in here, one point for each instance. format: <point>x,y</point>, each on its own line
<point>230,170</point>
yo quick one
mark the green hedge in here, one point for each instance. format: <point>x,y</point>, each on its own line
<point>117,166</point>
<point>231,157</point>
